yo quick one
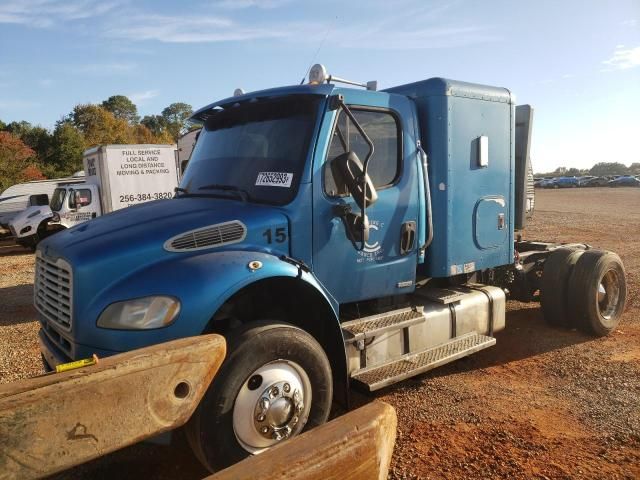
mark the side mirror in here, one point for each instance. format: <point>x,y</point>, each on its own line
<point>347,169</point>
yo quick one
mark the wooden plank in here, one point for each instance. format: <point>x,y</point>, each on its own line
<point>357,445</point>
<point>56,421</point>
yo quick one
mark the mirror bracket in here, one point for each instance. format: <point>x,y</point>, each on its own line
<point>357,230</point>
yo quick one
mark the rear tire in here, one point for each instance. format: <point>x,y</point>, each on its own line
<point>265,361</point>
<point>555,283</point>
<point>598,292</point>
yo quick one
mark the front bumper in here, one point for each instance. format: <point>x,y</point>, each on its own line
<point>54,353</point>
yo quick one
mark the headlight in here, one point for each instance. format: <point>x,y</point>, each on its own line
<point>140,313</point>
<point>33,214</point>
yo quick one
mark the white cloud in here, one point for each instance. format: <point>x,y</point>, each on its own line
<point>239,4</point>
<point>17,104</point>
<point>421,30</point>
<point>187,29</point>
<point>632,22</point>
<point>141,97</point>
<point>106,68</point>
<point>46,13</point>
<point>424,38</point>
<point>623,59</point>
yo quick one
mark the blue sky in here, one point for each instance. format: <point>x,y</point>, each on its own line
<point>576,62</point>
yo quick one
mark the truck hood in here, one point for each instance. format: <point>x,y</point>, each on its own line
<point>26,215</point>
<point>129,239</point>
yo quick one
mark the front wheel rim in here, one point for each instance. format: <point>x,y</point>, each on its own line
<point>273,404</point>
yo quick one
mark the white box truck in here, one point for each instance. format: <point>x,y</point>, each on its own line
<point>116,176</point>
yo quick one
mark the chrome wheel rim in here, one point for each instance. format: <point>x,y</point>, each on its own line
<point>608,296</point>
<point>272,405</point>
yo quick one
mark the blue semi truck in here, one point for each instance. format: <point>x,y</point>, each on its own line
<point>338,237</point>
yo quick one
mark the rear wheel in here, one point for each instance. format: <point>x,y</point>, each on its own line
<point>598,292</point>
<point>275,383</point>
<point>555,282</point>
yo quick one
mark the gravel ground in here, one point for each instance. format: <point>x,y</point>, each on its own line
<point>544,403</point>
<point>19,354</point>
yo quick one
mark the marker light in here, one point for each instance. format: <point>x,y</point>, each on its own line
<point>317,74</point>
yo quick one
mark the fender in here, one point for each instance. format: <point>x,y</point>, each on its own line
<point>202,283</point>
<point>31,217</point>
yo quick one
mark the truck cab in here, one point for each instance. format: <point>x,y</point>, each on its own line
<point>335,236</point>
<point>74,204</point>
<point>70,205</point>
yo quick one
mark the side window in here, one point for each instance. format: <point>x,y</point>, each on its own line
<point>84,198</point>
<point>40,199</point>
<point>383,130</point>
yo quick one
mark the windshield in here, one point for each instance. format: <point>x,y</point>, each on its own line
<point>256,150</point>
<point>57,199</point>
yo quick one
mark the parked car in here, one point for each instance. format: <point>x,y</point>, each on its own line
<point>547,183</point>
<point>565,182</point>
<point>582,180</point>
<point>538,181</point>
<point>625,181</point>
<point>595,182</point>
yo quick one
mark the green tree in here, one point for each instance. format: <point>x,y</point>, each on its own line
<point>122,108</point>
<point>143,135</point>
<point>100,127</point>
<point>18,128</point>
<point>634,168</point>
<point>67,148</point>
<point>39,139</point>
<point>608,168</point>
<point>3,126</point>
<point>15,159</point>
<point>156,123</point>
<point>175,116</point>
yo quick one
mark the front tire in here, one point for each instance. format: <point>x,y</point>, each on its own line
<point>275,383</point>
<point>598,292</point>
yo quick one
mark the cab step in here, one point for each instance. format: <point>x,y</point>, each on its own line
<point>368,327</point>
<point>409,365</point>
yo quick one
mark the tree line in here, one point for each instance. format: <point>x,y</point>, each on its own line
<point>31,152</point>
<point>600,169</point>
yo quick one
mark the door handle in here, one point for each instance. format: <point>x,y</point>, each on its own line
<point>407,237</point>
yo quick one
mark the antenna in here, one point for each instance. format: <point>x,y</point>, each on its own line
<point>326,34</point>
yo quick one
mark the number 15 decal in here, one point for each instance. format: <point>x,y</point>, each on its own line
<point>280,235</point>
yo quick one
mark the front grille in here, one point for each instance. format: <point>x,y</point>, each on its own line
<point>53,289</point>
<point>207,237</point>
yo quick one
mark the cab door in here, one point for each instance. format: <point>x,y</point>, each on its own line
<point>83,204</point>
<point>383,267</point>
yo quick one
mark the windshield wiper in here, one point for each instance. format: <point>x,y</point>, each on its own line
<point>182,190</point>
<point>243,194</point>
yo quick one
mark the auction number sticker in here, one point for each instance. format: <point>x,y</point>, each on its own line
<point>274,179</point>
